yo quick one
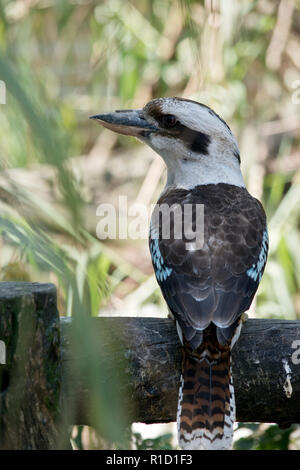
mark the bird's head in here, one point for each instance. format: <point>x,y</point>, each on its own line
<point>197,146</point>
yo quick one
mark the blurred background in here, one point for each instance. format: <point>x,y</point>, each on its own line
<point>62,61</point>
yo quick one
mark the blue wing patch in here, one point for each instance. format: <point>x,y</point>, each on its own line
<point>162,272</point>
<point>256,270</point>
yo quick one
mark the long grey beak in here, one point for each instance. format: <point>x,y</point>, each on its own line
<point>127,122</point>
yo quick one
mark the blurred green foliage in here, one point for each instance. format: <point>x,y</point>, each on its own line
<point>162,442</point>
<point>269,438</point>
<point>62,61</point>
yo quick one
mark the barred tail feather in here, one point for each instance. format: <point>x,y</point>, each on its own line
<point>206,405</point>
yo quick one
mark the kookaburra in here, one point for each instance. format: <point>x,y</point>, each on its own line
<point>208,286</point>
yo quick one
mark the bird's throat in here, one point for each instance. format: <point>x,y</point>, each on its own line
<point>187,174</point>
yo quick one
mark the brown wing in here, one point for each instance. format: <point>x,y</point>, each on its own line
<point>217,282</point>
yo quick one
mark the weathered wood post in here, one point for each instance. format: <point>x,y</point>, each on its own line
<point>30,379</point>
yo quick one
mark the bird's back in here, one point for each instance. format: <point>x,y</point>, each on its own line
<point>207,288</point>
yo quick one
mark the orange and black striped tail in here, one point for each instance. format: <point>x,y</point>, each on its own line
<point>206,405</point>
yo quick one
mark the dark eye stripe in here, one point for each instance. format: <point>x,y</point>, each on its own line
<point>196,141</point>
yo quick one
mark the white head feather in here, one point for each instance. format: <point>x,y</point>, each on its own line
<point>187,168</point>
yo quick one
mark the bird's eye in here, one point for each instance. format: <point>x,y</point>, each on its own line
<point>168,120</point>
